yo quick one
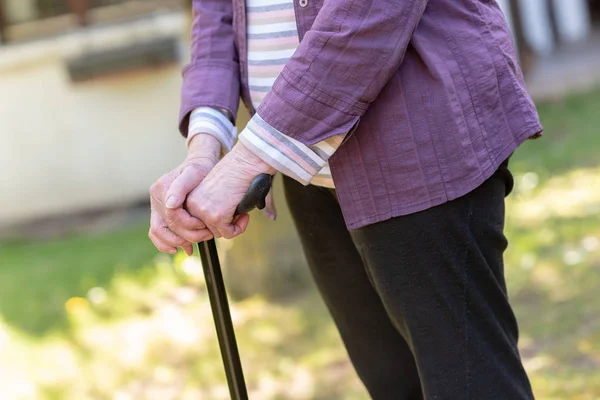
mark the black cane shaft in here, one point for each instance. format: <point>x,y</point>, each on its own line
<point>222,317</point>
<point>254,198</point>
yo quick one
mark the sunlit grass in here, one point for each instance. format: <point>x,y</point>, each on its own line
<point>553,262</point>
<point>165,344</point>
<point>38,277</point>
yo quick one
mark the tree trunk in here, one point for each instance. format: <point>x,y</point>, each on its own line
<point>553,21</point>
<point>2,23</point>
<point>526,55</point>
<point>80,9</point>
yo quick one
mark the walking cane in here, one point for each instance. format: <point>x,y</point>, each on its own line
<point>254,198</point>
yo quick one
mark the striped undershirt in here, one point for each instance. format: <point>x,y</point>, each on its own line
<point>272,39</point>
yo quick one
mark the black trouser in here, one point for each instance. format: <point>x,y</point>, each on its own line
<point>420,300</point>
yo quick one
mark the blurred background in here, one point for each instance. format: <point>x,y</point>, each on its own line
<point>89,96</point>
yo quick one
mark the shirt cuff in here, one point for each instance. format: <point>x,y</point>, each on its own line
<point>214,122</point>
<point>286,154</point>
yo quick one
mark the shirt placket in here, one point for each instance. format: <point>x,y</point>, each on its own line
<point>241,29</point>
<point>300,10</point>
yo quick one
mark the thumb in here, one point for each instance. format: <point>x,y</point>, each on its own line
<point>270,211</point>
<point>188,180</point>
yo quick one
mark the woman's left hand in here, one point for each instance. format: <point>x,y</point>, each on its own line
<point>214,201</point>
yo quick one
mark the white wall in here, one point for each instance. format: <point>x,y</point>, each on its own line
<point>66,146</point>
<point>573,19</point>
<point>536,25</point>
<point>20,10</point>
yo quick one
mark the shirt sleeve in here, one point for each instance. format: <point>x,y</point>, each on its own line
<point>213,122</point>
<point>211,78</point>
<point>286,154</point>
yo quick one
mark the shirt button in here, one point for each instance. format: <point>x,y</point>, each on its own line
<point>303,3</point>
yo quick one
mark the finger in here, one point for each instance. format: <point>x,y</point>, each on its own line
<point>159,229</point>
<point>270,211</point>
<point>197,236</point>
<point>160,245</point>
<point>179,220</point>
<point>212,221</point>
<point>159,188</point>
<point>237,227</point>
<point>188,180</point>
<point>215,232</point>
<point>156,206</point>
<point>188,248</point>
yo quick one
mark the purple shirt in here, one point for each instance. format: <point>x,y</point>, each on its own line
<point>430,90</point>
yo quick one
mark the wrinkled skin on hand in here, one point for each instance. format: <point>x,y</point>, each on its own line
<point>171,223</point>
<point>214,201</point>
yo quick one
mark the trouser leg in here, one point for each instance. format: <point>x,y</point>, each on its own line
<point>380,355</point>
<point>440,276</point>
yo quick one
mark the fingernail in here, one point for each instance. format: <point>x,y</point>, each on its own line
<point>270,215</point>
<point>173,251</point>
<point>172,202</point>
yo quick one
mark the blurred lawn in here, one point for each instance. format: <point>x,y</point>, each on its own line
<point>103,317</point>
<point>36,279</point>
<point>553,263</point>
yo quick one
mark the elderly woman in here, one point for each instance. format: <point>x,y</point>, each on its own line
<point>393,122</point>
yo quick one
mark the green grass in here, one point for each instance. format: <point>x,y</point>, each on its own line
<point>571,138</point>
<point>553,265</point>
<point>37,278</point>
<point>152,333</point>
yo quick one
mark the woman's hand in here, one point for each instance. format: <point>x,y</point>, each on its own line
<point>270,211</point>
<point>171,226</point>
<point>214,201</point>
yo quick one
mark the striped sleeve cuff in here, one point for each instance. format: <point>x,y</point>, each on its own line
<point>286,154</point>
<point>214,122</point>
